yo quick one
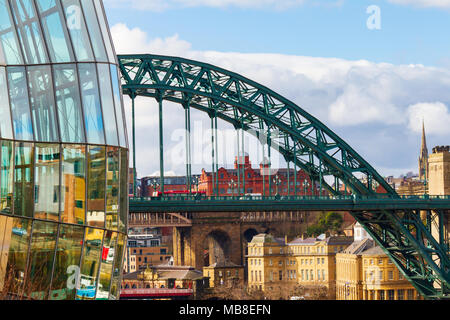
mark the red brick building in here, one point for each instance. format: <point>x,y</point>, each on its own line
<point>257,181</point>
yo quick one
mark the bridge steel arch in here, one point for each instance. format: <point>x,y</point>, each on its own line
<point>305,141</point>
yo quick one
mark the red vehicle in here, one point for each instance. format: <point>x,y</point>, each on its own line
<point>182,193</point>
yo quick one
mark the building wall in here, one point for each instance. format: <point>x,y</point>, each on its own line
<point>439,176</point>
<point>383,281</point>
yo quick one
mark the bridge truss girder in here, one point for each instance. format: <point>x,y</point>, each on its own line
<point>302,140</point>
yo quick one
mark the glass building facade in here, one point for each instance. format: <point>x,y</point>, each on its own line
<point>63,152</point>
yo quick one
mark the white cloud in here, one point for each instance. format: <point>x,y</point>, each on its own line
<point>436,116</point>
<point>360,100</point>
<point>424,3</point>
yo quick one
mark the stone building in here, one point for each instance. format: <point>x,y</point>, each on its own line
<point>224,274</point>
<point>309,262</point>
<point>364,272</point>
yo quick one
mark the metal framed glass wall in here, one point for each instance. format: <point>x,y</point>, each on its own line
<point>63,152</point>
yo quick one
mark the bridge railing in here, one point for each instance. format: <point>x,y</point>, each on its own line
<point>378,197</point>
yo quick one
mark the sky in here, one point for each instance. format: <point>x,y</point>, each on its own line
<point>372,71</point>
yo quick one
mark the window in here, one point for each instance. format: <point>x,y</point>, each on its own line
<point>382,296</point>
<point>280,275</point>
<point>401,294</point>
<point>391,275</point>
<point>410,294</point>
<point>380,275</point>
<point>391,294</point>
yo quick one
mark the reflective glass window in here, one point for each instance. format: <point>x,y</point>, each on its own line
<point>7,176</point>
<point>73,190</point>
<point>46,182</point>
<point>105,31</point>
<point>96,186</point>
<point>67,263</point>
<point>20,107</point>
<point>68,104</point>
<point>121,125</point>
<point>8,37</point>
<point>107,104</point>
<point>78,31</point>
<point>15,255</point>
<point>112,188</point>
<point>42,104</point>
<point>23,180</point>
<point>42,252</point>
<point>91,103</point>
<point>117,269</point>
<point>29,31</point>
<point>94,30</point>
<point>106,268</point>
<point>6,131</point>
<point>56,34</point>
<point>92,254</point>
<point>3,250</point>
<point>123,214</point>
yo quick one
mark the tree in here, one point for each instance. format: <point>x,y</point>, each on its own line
<point>327,222</point>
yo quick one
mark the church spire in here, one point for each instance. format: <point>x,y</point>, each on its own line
<point>423,159</point>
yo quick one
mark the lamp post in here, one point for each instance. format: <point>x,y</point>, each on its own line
<point>155,184</point>
<point>232,184</point>
<point>195,182</point>
<point>277,181</point>
<point>306,185</point>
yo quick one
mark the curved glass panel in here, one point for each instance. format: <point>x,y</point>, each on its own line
<point>20,107</point>
<point>118,260</point>
<point>77,30</point>
<point>94,31</point>
<point>15,255</point>
<point>96,187</point>
<point>23,180</point>
<point>55,31</point>
<point>112,188</point>
<point>8,37</point>
<point>119,106</point>
<point>63,176</point>
<point>106,268</point>
<point>73,192</point>
<point>67,263</point>
<point>46,182</point>
<point>91,103</point>
<point>92,253</point>
<point>6,177</point>
<point>29,31</point>
<point>42,103</point>
<point>123,216</point>
<point>108,105</point>
<point>42,251</point>
<point>6,131</point>
<point>105,31</point>
<point>68,104</point>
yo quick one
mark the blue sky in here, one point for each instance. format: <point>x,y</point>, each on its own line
<point>409,34</point>
<point>372,87</point>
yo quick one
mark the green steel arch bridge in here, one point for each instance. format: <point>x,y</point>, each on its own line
<point>410,230</point>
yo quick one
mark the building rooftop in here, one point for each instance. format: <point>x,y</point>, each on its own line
<point>340,240</point>
<point>267,238</point>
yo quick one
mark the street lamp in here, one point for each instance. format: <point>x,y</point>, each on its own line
<point>306,185</point>
<point>155,184</point>
<point>277,182</point>
<point>232,184</point>
<point>195,182</point>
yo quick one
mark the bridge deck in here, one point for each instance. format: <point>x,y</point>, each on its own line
<point>308,203</point>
